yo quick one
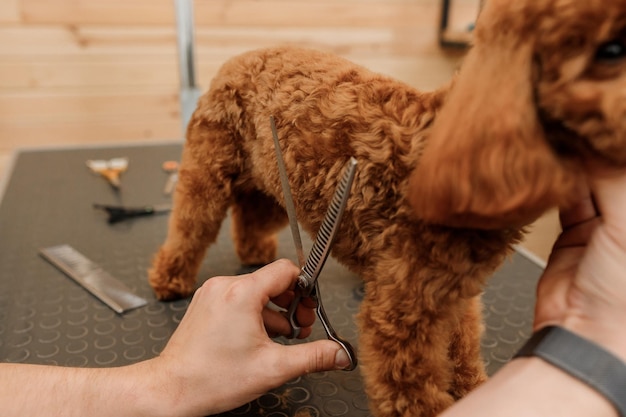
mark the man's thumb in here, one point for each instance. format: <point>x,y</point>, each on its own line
<point>317,356</point>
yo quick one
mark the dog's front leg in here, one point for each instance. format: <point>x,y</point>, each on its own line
<point>404,349</point>
<point>469,367</point>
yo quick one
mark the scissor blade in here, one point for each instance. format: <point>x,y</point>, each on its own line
<point>330,227</point>
<point>289,205</point>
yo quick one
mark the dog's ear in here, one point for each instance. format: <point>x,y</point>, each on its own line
<point>486,162</point>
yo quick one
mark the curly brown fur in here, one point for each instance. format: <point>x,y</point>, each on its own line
<point>445,179</point>
<point>538,95</point>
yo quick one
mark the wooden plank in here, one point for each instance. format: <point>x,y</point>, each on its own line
<point>366,41</point>
<point>123,97</point>
<point>9,11</point>
<point>272,13</point>
<point>16,135</point>
<point>57,39</point>
<point>74,71</point>
<point>68,12</point>
<point>321,13</point>
<point>90,40</point>
<point>44,106</point>
<point>423,74</point>
<point>426,73</point>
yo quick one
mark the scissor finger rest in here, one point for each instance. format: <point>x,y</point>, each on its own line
<point>328,328</point>
<point>330,331</point>
<point>291,315</point>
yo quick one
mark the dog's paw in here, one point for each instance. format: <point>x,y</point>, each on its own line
<point>170,288</point>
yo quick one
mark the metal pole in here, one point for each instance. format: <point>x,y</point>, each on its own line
<point>189,92</point>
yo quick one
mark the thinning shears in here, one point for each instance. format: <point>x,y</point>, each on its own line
<point>307,284</point>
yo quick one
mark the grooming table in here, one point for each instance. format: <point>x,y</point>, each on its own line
<point>46,318</point>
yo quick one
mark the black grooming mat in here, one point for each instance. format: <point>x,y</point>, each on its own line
<point>47,318</point>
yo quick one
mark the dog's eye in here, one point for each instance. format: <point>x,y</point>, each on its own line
<point>611,51</point>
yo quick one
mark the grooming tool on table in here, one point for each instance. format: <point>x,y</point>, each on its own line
<point>120,213</point>
<point>171,167</point>
<point>307,285</point>
<point>109,169</point>
<point>93,278</point>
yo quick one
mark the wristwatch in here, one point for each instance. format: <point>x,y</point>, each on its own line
<point>582,359</point>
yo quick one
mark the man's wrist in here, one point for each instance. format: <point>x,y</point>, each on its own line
<point>148,389</point>
<point>582,359</point>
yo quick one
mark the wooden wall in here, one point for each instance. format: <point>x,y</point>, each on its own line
<point>104,71</point>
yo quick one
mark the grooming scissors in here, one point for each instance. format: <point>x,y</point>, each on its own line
<point>120,213</point>
<point>307,283</point>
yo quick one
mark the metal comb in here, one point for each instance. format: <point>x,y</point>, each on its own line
<point>93,278</point>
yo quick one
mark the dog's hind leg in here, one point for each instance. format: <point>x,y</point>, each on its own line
<point>469,368</point>
<point>256,218</point>
<point>203,194</point>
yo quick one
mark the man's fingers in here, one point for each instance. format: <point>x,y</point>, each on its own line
<point>274,279</point>
<point>283,300</point>
<point>306,358</point>
<point>276,323</point>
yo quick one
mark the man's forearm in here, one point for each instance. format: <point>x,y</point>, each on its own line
<point>532,387</point>
<point>34,390</point>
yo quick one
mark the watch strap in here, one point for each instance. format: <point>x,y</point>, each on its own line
<point>582,359</point>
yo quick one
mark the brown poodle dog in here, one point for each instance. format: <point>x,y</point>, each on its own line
<point>445,181</point>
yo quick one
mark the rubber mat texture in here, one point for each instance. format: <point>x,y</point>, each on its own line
<point>47,318</point>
